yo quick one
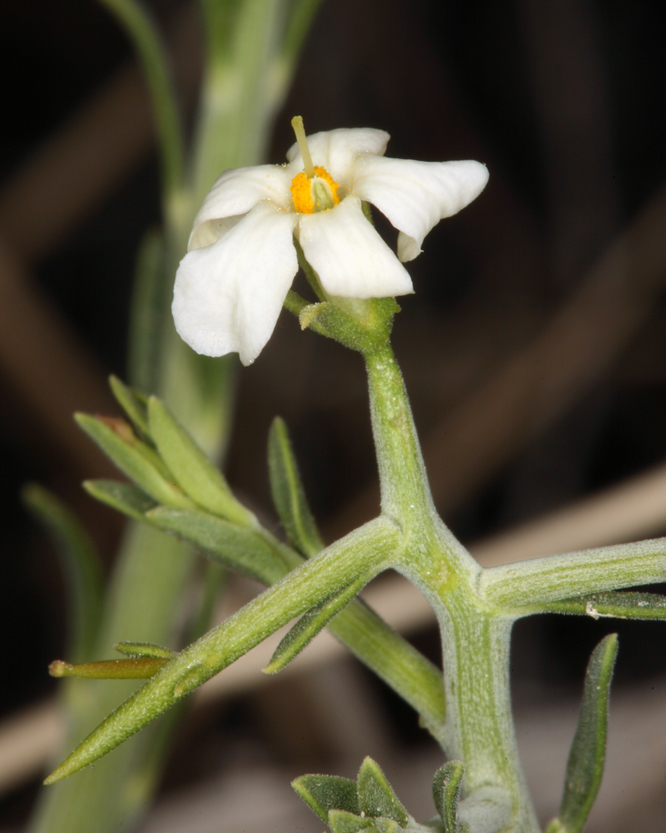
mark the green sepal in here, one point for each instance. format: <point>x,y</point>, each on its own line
<point>309,625</point>
<point>446,786</point>
<point>340,821</point>
<point>376,795</point>
<point>81,567</point>
<point>612,604</point>
<point>586,759</point>
<point>134,650</point>
<point>137,668</point>
<point>366,328</point>
<point>133,403</point>
<point>288,494</point>
<point>327,792</point>
<point>191,468</point>
<point>136,459</point>
<point>122,497</point>
<point>245,550</point>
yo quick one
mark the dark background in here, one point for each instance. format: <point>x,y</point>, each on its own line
<point>564,101</point>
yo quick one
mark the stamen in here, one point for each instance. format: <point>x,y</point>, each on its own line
<point>299,130</point>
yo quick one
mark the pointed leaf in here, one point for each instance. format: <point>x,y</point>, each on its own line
<point>247,551</point>
<point>309,625</point>
<point>374,544</point>
<point>143,649</point>
<point>139,668</point>
<point>288,494</point>
<point>132,403</point>
<point>123,497</point>
<point>327,792</point>
<point>586,758</point>
<point>80,563</point>
<point>192,470</point>
<point>376,795</point>
<point>613,605</point>
<point>137,460</point>
<point>340,821</point>
<point>446,786</point>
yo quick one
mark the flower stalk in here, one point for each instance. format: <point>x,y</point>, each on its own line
<point>478,728</point>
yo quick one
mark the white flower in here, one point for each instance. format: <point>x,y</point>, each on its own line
<point>231,285</point>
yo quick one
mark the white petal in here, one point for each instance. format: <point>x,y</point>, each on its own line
<point>235,193</point>
<point>228,296</point>
<point>205,234</point>
<point>415,196</point>
<point>338,150</point>
<point>351,259</point>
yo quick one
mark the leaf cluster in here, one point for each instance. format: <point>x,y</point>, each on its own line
<point>369,803</point>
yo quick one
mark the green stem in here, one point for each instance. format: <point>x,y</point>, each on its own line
<point>405,492</point>
<point>363,553</point>
<point>402,478</point>
<point>476,639</point>
<point>479,725</point>
<point>554,578</point>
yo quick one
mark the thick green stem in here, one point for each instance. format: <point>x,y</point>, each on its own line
<point>402,477</point>
<point>479,725</point>
<point>405,492</point>
<point>476,638</point>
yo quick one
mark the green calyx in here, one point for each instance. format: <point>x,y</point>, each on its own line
<point>362,325</point>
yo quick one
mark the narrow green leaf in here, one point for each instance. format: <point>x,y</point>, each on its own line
<point>374,642</point>
<point>247,551</point>
<point>138,668</point>
<point>376,795</point>
<point>586,759</point>
<point>133,406</point>
<point>612,605</point>
<point>192,470</point>
<point>394,660</point>
<point>371,547</point>
<point>327,792</point>
<point>134,650</point>
<point>135,459</point>
<point>80,563</point>
<point>288,494</point>
<point>123,497</point>
<point>446,786</point>
<point>340,821</point>
<point>309,625</point>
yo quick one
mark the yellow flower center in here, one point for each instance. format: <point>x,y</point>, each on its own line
<point>317,194</point>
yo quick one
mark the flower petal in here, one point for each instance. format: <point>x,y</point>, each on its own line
<point>338,150</point>
<point>234,194</point>
<point>415,196</point>
<point>351,259</point>
<point>228,296</point>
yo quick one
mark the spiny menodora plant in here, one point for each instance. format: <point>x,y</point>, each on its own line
<point>254,229</point>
